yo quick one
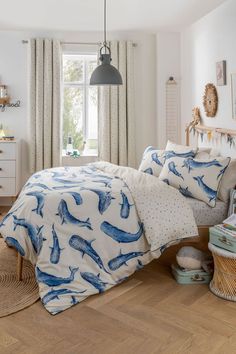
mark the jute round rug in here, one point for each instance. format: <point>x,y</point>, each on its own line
<point>15,295</point>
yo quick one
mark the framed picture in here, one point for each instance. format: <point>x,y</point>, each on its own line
<point>221,73</point>
<point>233,95</point>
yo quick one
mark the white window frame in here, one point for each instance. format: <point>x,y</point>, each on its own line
<point>83,85</point>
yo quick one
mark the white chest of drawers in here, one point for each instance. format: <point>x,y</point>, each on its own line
<point>10,177</point>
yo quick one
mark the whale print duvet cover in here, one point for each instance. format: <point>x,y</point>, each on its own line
<point>88,228</point>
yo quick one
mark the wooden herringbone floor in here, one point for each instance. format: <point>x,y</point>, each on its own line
<point>149,313</point>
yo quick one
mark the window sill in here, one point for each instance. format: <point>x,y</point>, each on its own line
<point>79,157</point>
<point>78,161</point>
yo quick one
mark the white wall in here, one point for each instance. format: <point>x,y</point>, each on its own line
<point>168,64</point>
<point>209,40</point>
<point>13,72</point>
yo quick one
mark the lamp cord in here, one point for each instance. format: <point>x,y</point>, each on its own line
<point>105,22</point>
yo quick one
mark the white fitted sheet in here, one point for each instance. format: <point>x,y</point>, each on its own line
<point>205,215</point>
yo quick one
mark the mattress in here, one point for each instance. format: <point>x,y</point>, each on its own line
<point>206,215</point>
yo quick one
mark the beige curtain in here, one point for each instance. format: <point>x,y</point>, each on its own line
<point>45,103</point>
<point>116,110</point>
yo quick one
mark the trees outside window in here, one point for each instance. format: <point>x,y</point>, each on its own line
<point>79,103</point>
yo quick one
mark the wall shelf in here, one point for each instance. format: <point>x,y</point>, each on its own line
<point>9,105</point>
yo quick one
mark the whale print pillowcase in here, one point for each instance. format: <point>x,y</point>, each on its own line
<point>195,178</point>
<point>154,160</point>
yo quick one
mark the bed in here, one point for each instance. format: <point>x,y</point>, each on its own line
<point>87,229</point>
<point>205,215</point>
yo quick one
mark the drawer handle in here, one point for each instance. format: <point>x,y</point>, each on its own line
<point>0,168</point>
<point>197,277</point>
<point>0,186</point>
<point>225,241</point>
<point>1,151</point>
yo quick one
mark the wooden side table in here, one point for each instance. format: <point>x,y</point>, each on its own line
<point>10,168</point>
<point>223,283</point>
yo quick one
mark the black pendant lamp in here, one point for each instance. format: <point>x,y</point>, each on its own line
<point>105,73</point>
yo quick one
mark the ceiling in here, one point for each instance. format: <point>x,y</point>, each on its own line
<point>87,15</point>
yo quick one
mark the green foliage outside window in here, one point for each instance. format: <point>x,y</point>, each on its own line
<point>73,105</point>
<point>74,101</point>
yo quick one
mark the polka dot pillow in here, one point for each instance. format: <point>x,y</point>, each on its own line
<point>153,159</point>
<point>195,178</point>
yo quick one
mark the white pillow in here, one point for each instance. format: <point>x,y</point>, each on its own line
<point>207,153</point>
<point>195,178</point>
<point>153,159</point>
<point>228,182</point>
<point>179,148</point>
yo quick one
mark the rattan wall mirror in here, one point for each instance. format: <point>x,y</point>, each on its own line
<point>210,100</point>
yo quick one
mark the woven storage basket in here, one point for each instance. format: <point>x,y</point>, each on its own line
<point>223,283</point>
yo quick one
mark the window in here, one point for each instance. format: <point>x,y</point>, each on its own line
<point>80,117</point>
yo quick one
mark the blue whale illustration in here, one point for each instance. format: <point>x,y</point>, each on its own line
<point>122,259</point>
<point>156,159</point>
<point>67,217</point>
<point>222,171</point>
<point>77,197</point>
<point>52,280</point>
<point>125,206</point>
<point>84,246</point>
<point>171,153</point>
<point>12,242</point>
<point>94,280</point>
<point>185,192</point>
<point>148,149</point>
<point>172,168</point>
<point>40,201</point>
<point>35,184</point>
<point>54,294</point>
<point>105,177</point>
<point>58,188</point>
<point>74,300</point>
<point>10,214</point>
<point>166,181</point>
<point>104,198</point>
<point>55,249</point>
<point>34,233</point>
<point>119,235</point>
<point>106,183</point>
<point>99,178</point>
<point>149,170</point>
<point>37,175</point>
<point>139,265</point>
<point>68,181</point>
<point>210,192</point>
<point>191,164</point>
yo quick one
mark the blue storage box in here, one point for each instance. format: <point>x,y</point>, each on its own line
<point>190,276</point>
<point>223,238</point>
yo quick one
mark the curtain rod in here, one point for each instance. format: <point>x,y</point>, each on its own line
<point>81,43</point>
